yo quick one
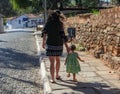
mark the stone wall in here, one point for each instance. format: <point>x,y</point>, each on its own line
<point>100,35</point>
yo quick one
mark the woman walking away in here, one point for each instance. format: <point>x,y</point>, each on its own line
<point>72,63</point>
<point>53,40</point>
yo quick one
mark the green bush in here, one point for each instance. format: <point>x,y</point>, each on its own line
<point>95,11</point>
<point>79,47</point>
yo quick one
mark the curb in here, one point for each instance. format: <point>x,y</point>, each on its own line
<point>44,77</point>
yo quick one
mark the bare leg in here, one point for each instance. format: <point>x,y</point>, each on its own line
<point>57,66</point>
<point>52,61</point>
<point>74,77</point>
<point>68,75</point>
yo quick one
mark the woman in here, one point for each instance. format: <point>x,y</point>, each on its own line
<point>53,39</point>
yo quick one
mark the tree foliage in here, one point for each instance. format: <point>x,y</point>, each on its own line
<point>6,8</point>
<point>20,4</point>
<point>52,4</point>
<point>115,2</point>
<point>79,3</point>
<point>89,3</point>
<point>36,6</point>
<point>27,5</point>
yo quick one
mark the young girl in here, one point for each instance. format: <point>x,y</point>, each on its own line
<point>72,63</point>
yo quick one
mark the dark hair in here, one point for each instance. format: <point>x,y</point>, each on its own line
<point>73,47</point>
<point>53,17</point>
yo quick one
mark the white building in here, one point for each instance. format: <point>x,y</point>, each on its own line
<point>1,23</point>
<point>24,21</point>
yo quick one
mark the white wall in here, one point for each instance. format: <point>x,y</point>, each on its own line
<point>34,22</point>
<point>16,22</point>
<point>19,23</point>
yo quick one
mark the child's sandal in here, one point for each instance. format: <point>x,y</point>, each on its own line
<point>68,75</point>
<point>75,80</point>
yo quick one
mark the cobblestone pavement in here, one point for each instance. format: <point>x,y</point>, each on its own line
<point>94,78</point>
<point>19,64</point>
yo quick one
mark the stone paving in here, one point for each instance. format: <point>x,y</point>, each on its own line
<point>19,64</point>
<point>94,78</point>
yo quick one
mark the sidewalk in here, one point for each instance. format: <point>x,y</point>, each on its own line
<point>94,78</point>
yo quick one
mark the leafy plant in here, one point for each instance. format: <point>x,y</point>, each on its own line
<point>94,11</point>
<point>79,47</point>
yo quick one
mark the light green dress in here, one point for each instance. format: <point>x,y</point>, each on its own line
<point>72,63</point>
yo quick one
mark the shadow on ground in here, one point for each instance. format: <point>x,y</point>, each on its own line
<point>85,88</point>
<point>10,58</point>
<point>13,88</point>
<point>20,80</point>
<point>2,41</point>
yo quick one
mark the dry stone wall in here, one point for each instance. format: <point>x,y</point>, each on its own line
<point>100,35</point>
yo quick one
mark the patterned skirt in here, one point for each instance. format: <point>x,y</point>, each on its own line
<point>54,50</point>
